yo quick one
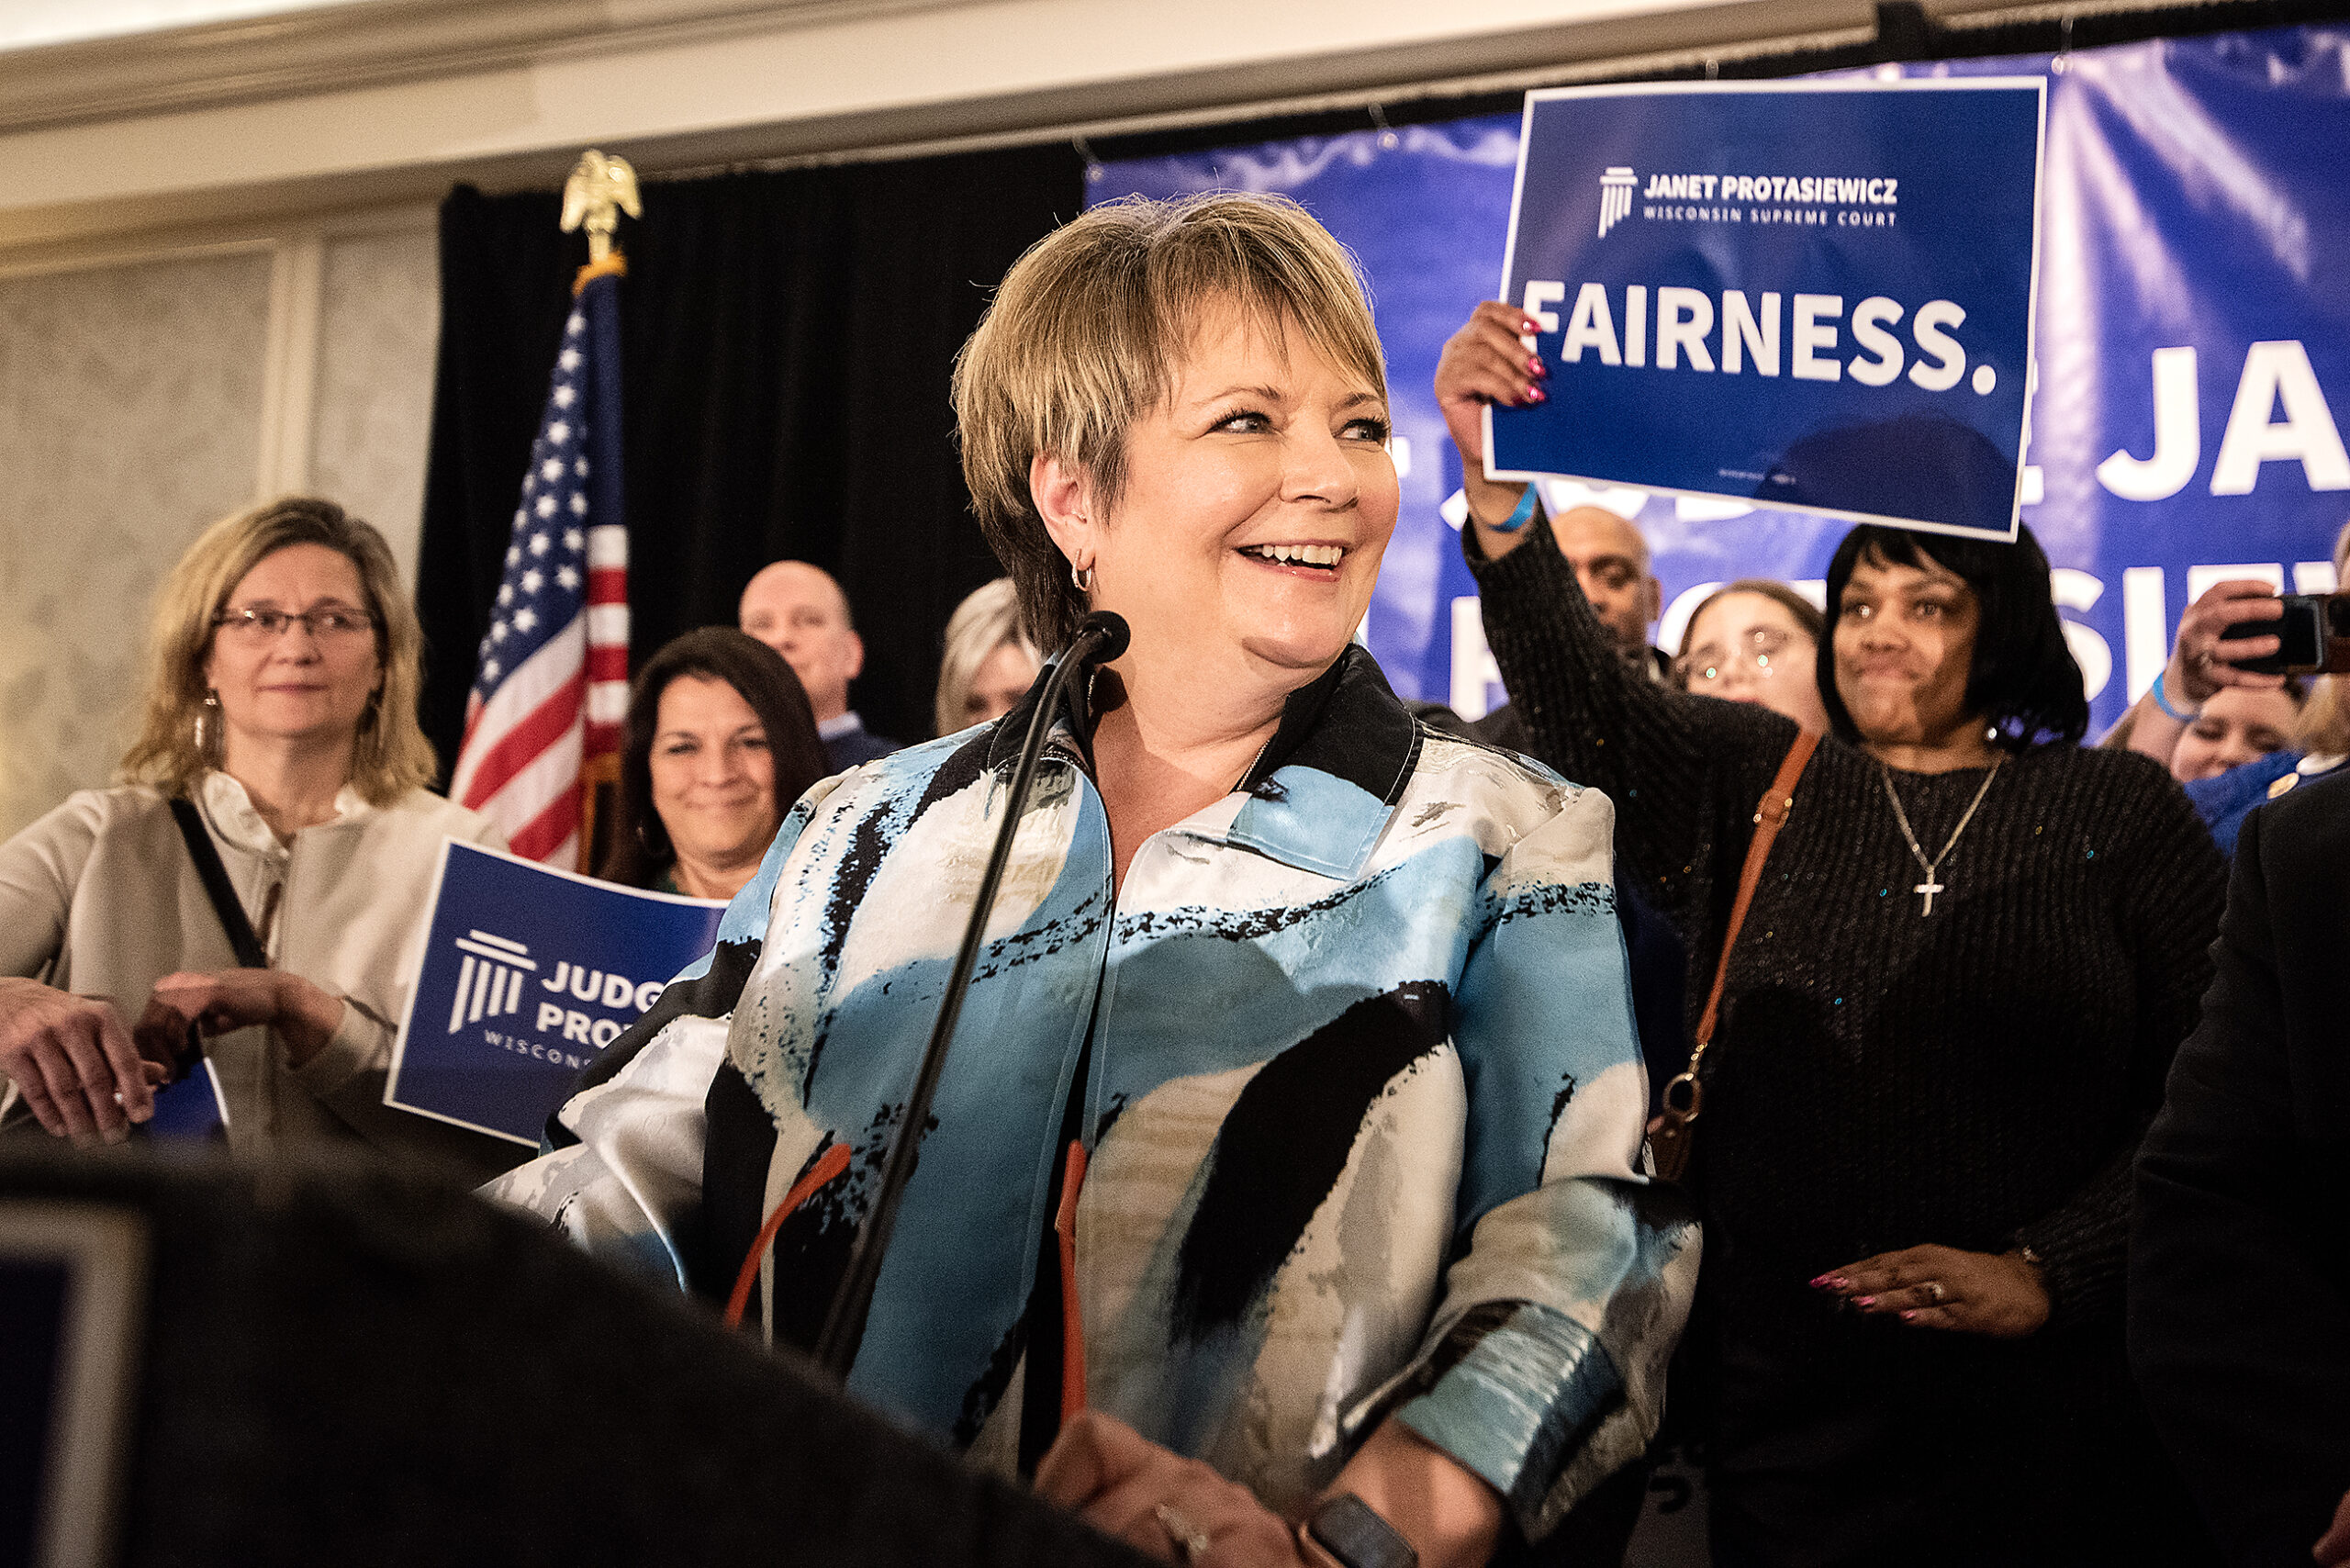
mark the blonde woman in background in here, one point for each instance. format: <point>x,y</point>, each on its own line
<point>989,663</point>
<point>2223,731</point>
<point>284,666</point>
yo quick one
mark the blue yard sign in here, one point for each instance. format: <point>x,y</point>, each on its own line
<point>1814,297</point>
<point>529,973</point>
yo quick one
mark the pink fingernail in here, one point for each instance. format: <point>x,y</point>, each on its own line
<point>1536,394</point>
<point>1823,1280</point>
<point>1908,1316</point>
<point>1534,364</point>
<point>1864,1301</point>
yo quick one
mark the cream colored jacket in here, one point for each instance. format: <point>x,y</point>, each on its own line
<point>100,898</point>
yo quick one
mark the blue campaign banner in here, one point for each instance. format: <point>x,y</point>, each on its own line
<point>1814,296</point>
<point>2192,337</point>
<point>529,973</point>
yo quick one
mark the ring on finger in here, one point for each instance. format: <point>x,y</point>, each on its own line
<point>1933,1288</point>
<point>1191,1541</point>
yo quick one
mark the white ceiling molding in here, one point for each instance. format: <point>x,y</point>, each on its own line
<point>327,49</point>
<point>391,101</point>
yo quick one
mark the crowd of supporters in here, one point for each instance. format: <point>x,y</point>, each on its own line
<point>1350,1238</point>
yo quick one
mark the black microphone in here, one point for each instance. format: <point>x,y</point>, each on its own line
<point>1110,634</point>
<point>1101,637</point>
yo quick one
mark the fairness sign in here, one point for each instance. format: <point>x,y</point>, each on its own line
<point>529,973</point>
<point>1803,295</point>
<point>2192,336</point>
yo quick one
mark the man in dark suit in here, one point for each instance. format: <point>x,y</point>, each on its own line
<point>800,613</point>
<point>2238,1274</point>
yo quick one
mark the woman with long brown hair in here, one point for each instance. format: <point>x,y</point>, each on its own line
<point>719,743</point>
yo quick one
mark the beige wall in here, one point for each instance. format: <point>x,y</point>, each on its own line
<point>379,319</point>
<point>142,396</point>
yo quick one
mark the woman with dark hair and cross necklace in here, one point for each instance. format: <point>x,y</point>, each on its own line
<point>1945,1024</point>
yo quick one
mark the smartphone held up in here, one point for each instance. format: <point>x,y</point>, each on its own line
<point>2313,631</point>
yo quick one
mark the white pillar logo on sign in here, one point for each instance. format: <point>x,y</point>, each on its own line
<point>489,980</point>
<point>1616,188</point>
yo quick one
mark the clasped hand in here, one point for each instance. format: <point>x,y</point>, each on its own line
<point>1119,1482</point>
<point>86,1077</point>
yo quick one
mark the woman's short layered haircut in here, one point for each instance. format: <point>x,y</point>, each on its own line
<point>2024,682</point>
<point>390,756</point>
<point>1088,332</point>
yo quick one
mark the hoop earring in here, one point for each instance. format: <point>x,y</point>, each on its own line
<point>207,728</point>
<point>1084,579</point>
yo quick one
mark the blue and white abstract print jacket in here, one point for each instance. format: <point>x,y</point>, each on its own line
<point>1351,1051</point>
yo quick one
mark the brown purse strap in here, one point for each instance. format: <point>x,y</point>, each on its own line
<point>1769,815</point>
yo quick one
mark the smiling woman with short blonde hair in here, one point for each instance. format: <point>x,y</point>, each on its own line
<point>1313,1024</point>
<point>1086,333</point>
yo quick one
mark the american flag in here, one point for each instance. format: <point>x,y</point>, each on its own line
<point>551,683</point>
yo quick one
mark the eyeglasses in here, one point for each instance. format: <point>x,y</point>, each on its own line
<point>1757,653</point>
<point>330,624</point>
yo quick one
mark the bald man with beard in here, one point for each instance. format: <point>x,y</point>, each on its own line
<point>1611,561</point>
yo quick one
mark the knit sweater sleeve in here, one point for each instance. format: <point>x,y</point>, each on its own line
<point>1673,764</point>
<point>2173,885</point>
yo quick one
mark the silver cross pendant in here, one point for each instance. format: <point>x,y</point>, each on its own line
<point>1929,888</point>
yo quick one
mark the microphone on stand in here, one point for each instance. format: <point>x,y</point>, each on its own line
<point>1100,638</point>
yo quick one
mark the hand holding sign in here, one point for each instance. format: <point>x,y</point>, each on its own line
<point>529,975</point>
<point>1487,361</point>
<point>74,1063</point>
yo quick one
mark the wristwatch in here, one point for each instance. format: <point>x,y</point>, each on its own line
<point>1350,1531</point>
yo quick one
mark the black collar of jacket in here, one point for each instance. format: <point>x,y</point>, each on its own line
<point>1346,721</point>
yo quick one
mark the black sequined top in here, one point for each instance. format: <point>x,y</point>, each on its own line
<point>1977,1078</point>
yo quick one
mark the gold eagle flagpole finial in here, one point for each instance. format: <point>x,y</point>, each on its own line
<point>599,191</point>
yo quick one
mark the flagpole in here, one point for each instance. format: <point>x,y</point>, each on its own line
<point>550,693</point>
<point>599,190</point>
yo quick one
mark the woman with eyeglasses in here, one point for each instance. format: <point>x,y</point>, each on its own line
<point>1756,641</point>
<point>280,704</point>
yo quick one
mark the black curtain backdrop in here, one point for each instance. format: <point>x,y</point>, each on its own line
<point>788,339</point>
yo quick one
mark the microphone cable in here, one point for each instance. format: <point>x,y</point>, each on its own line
<point>1100,638</point>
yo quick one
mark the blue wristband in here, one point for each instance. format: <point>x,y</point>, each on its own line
<point>2163,701</point>
<point>1521,517</point>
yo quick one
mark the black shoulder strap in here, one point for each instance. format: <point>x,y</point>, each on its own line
<point>215,876</point>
